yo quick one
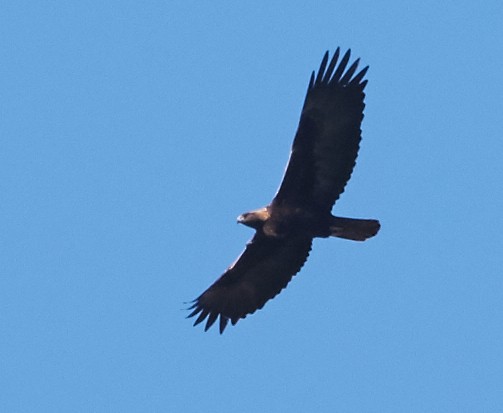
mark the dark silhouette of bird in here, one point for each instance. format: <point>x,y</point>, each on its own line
<point>322,159</point>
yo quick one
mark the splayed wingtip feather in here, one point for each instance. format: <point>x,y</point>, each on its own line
<point>211,320</point>
<point>342,66</point>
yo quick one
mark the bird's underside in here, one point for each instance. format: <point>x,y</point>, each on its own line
<point>322,159</point>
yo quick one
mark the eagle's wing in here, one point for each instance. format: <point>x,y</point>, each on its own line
<point>263,269</point>
<point>326,144</point>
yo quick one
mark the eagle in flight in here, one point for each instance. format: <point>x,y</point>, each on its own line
<point>322,159</point>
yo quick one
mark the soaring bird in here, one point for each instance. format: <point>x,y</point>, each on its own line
<point>321,161</point>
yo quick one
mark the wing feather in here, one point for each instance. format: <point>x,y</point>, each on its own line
<point>264,268</point>
<point>350,72</point>
<point>342,66</point>
<point>331,66</point>
<point>323,65</point>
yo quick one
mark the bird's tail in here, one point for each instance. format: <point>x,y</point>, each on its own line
<point>354,229</point>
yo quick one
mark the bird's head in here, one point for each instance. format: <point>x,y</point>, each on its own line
<point>254,219</point>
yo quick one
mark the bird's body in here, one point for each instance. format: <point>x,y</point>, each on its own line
<point>323,156</point>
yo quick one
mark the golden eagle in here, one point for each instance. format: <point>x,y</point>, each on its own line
<point>322,159</point>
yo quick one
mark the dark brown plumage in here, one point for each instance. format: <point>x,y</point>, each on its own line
<point>322,159</point>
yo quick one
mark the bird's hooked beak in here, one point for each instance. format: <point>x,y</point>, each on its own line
<point>240,219</point>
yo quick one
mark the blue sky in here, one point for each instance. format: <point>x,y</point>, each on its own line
<point>133,134</point>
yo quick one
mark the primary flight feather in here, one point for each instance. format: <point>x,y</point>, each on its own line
<point>322,159</point>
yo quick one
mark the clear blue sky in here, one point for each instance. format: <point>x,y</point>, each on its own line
<point>133,133</point>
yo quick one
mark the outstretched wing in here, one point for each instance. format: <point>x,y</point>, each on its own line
<point>259,274</point>
<point>326,144</point>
